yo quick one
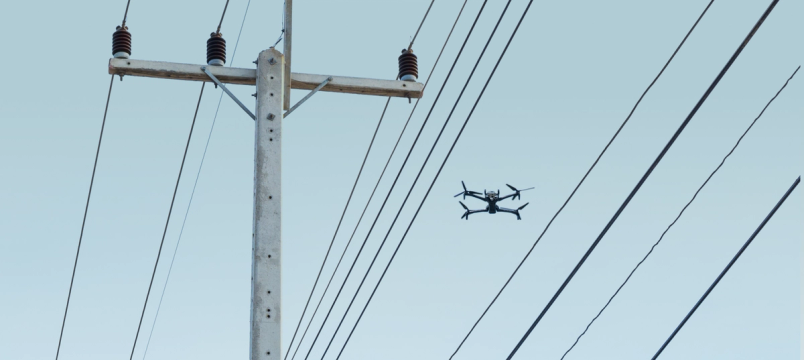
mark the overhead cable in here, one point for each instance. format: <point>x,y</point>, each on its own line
<point>337,266</point>
<point>192,193</point>
<point>678,217</point>
<point>726,269</point>
<point>282,33</point>
<point>222,15</point>
<point>125,14</point>
<point>84,221</point>
<point>407,157</point>
<point>572,194</point>
<point>407,196</point>
<point>644,178</point>
<point>167,221</point>
<point>435,178</point>
<point>422,23</point>
<point>89,196</point>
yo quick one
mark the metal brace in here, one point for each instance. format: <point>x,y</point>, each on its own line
<point>218,82</point>
<point>308,96</point>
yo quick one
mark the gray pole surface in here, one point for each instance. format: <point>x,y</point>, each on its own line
<point>267,235</point>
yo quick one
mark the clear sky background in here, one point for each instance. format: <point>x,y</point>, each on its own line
<point>568,80</point>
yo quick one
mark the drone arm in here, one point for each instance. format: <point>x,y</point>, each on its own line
<point>510,211</point>
<point>470,212</point>
<point>476,197</point>
<point>506,196</point>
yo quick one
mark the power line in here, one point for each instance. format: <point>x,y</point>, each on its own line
<point>436,177</point>
<point>349,200</point>
<point>679,216</point>
<point>282,33</point>
<point>192,194</point>
<point>167,221</point>
<point>84,221</point>
<point>222,15</point>
<point>86,208</point>
<point>572,194</point>
<point>125,15</point>
<point>726,269</point>
<point>438,58</point>
<point>396,217</point>
<point>326,256</point>
<point>407,157</point>
<point>420,24</point>
<point>644,177</point>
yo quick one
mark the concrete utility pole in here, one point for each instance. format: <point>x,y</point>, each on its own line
<point>274,80</point>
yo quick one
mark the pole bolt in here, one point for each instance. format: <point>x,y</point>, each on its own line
<point>271,116</point>
<point>272,61</point>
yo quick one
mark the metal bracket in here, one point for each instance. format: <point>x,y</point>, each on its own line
<point>217,82</point>
<point>319,87</point>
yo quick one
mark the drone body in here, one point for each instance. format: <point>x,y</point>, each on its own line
<point>491,198</point>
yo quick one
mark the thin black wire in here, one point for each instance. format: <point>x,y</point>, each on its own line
<point>192,194</point>
<point>326,256</point>
<point>644,177</point>
<point>436,177</point>
<point>407,196</point>
<point>679,215</point>
<point>438,58</point>
<point>282,34</point>
<point>167,221</point>
<point>420,25</point>
<point>222,15</point>
<point>407,157</point>
<point>125,15</point>
<point>349,200</point>
<point>84,221</point>
<point>726,269</point>
<point>572,194</point>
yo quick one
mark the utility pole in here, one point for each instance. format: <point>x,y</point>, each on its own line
<point>273,80</point>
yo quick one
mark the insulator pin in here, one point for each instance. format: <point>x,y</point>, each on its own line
<point>121,43</point>
<point>216,50</point>
<point>408,66</point>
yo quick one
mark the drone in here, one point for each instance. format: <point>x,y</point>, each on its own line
<point>491,198</point>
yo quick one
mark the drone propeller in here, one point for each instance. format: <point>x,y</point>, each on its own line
<point>466,192</point>
<point>466,214</point>
<point>517,192</point>
<point>522,207</point>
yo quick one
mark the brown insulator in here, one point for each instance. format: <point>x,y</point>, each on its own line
<point>216,50</point>
<point>121,43</point>
<point>408,66</point>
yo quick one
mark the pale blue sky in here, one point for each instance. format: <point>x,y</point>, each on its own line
<point>568,80</point>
